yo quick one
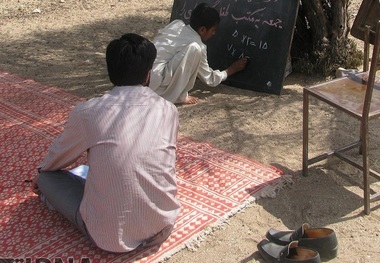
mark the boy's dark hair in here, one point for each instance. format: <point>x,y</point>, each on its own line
<point>204,15</point>
<point>129,59</point>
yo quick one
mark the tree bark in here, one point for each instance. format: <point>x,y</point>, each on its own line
<point>321,43</point>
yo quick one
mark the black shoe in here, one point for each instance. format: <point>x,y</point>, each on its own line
<point>274,253</point>
<point>321,239</point>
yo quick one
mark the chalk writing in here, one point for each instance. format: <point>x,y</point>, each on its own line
<point>250,16</point>
<point>254,17</point>
<point>247,40</point>
<point>274,23</point>
<point>224,11</point>
<point>185,12</point>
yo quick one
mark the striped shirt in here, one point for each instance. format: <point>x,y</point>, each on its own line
<point>130,138</point>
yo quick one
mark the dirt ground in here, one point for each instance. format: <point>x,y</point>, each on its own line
<point>62,43</point>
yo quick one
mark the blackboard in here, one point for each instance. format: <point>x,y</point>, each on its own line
<point>261,30</point>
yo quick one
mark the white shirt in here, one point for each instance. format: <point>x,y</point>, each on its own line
<point>130,193</point>
<point>171,40</point>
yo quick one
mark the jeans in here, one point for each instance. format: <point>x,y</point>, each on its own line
<point>63,192</point>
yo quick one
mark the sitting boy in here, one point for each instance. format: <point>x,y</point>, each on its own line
<point>182,57</point>
<point>129,197</point>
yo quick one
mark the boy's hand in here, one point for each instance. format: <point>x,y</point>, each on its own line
<point>35,187</point>
<point>237,66</point>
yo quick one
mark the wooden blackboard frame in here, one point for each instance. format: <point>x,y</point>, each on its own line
<point>261,30</point>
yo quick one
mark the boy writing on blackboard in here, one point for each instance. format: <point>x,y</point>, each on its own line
<point>182,57</point>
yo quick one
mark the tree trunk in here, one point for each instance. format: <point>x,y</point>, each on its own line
<point>321,42</point>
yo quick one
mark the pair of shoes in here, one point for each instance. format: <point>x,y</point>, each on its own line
<point>274,253</point>
<point>303,242</point>
<point>321,239</point>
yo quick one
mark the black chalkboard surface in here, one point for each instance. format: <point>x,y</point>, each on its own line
<point>261,30</point>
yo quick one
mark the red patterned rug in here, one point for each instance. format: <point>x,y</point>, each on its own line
<point>213,184</point>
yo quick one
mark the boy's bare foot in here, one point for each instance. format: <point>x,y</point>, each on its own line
<point>189,100</point>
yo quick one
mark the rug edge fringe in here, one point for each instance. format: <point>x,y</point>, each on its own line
<point>194,243</point>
